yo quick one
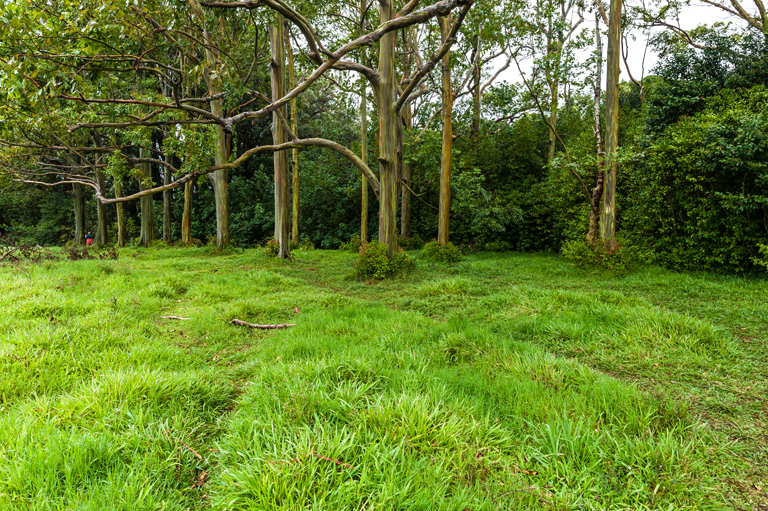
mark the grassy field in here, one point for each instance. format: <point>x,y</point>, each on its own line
<point>505,381</point>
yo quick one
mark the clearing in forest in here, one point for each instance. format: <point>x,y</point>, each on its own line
<point>505,381</point>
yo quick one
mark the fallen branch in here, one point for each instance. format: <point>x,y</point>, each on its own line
<point>261,327</point>
<point>191,450</point>
<point>331,460</point>
<point>175,317</point>
<point>8,253</point>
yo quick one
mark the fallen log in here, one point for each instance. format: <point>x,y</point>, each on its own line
<point>175,317</point>
<point>261,327</point>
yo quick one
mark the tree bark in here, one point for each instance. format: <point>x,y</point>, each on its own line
<point>608,214</point>
<point>280,158</point>
<point>388,119</point>
<point>120,219</point>
<point>147,207</point>
<point>444,213</point>
<point>79,199</point>
<point>475,129</point>
<point>186,219</point>
<point>364,157</point>
<point>594,210</point>
<point>407,116</point>
<point>405,207</point>
<point>167,202</point>
<point>221,155</point>
<point>101,214</point>
<point>295,150</point>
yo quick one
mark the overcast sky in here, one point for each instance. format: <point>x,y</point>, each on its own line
<point>640,64</point>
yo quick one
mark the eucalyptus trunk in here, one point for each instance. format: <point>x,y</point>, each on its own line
<point>405,206</point>
<point>280,158</point>
<point>120,218</point>
<point>147,207</point>
<point>407,117</point>
<point>167,202</point>
<point>78,193</point>
<point>218,178</point>
<point>597,192</point>
<point>101,214</point>
<point>608,214</point>
<point>475,129</point>
<point>444,213</point>
<point>364,157</point>
<point>388,119</point>
<point>295,150</point>
<point>186,218</point>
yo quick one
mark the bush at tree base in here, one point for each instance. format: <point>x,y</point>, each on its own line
<point>372,262</point>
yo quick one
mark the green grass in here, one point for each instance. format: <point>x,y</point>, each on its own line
<point>502,382</point>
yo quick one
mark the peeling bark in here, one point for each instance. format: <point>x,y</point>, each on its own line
<point>282,195</point>
<point>444,213</point>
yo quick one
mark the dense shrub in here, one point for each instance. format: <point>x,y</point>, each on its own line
<point>699,198</point>
<point>448,253</point>
<point>372,262</point>
<point>272,247</point>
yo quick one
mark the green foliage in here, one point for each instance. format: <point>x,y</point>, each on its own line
<point>623,256</point>
<point>372,262</point>
<point>763,259</point>
<point>353,245</point>
<point>413,243</point>
<point>448,253</point>
<point>272,247</point>
<point>699,195</point>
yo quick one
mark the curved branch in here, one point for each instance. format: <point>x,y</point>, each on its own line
<point>307,142</point>
<point>432,62</point>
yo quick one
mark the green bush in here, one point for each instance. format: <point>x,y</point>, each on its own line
<point>272,247</point>
<point>353,245</point>
<point>623,256</point>
<point>372,262</point>
<point>445,254</point>
<point>763,259</point>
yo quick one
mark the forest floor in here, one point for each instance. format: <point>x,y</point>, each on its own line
<point>505,381</point>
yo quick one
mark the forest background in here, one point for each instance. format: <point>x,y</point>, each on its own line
<point>113,98</point>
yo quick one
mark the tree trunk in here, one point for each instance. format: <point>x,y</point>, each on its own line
<point>444,213</point>
<point>147,207</point>
<point>295,150</point>
<point>594,210</point>
<point>120,220</point>
<point>167,202</point>
<point>608,215</point>
<point>280,158</point>
<point>101,214</point>
<point>407,117</point>
<point>79,198</point>
<point>553,118</point>
<point>388,119</point>
<point>186,219</point>
<point>405,207</point>
<point>364,157</point>
<point>475,130</point>
<point>221,155</point>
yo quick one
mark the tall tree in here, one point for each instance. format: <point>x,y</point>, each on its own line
<point>282,196</point>
<point>445,157</point>
<point>608,214</point>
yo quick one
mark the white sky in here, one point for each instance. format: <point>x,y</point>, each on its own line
<point>639,64</point>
